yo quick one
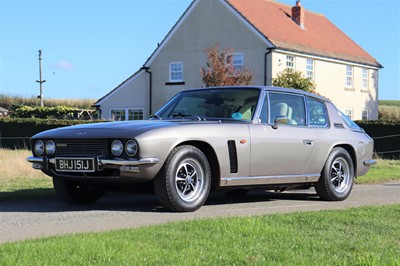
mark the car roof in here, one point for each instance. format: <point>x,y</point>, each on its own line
<point>270,89</point>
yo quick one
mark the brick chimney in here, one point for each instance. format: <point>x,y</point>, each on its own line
<point>298,14</point>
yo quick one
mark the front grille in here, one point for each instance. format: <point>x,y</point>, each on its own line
<point>89,147</point>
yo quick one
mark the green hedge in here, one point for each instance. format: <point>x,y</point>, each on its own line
<point>43,112</point>
<point>386,137</point>
<point>15,132</point>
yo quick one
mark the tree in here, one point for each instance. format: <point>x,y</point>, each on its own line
<point>220,70</point>
<point>293,79</point>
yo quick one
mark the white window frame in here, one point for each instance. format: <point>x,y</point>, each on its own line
<point>237,61</point>
<point>364,117</point>
<point>310,69</point>
<point>173,71</point>
<point>126,113</point>
<point>349,76</point>
<point>349,112</point>
<point>364,80</point>
<point>137,113</point>
<point>290,61</point>
<point>120,115</point>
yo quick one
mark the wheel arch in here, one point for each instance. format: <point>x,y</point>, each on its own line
<point>211,156</point>
<point>349,148</point>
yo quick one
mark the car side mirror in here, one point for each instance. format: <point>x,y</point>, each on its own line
<point>280,120</point>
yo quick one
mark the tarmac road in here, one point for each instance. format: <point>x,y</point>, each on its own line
<point>36,219</point>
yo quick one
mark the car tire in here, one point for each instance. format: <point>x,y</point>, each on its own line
<point>337,177</point>
<point>184,182</point>
<point>76,193</point>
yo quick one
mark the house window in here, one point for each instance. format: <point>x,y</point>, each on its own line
<point>135,114</point>
<point>349,113</point>
<point>364,78</point>
<point>118,114</point>
<point>176,71</point>
<point>290,62</point>
<point>364,115</point>
<point>349,76</point>
<point>122,114</point>
<point>310,69</point>
<point>237,61</point>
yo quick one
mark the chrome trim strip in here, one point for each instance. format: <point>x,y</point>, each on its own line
<point>132,162</point>
<point>370,162</point>
<point>267,180</point>
<point>33,159</point>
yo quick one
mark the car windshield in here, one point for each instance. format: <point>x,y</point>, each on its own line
<point>220,103</point>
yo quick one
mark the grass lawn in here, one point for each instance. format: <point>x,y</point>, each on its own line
<point>360,236</point>
<point>384,171</point>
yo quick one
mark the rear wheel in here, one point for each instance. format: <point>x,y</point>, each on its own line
<point>337,177</point>
<point>75,192</point>
<point>184,182</point>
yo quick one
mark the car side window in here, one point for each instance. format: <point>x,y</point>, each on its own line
<point>316,113</point>
<point>289,108</point>
<point>264,111</point>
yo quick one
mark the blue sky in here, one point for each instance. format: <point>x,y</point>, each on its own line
<point>91,46</point>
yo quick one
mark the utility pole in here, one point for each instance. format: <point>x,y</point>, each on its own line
<point>40,81</point>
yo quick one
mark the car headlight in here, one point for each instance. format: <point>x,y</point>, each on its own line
<point>131,148</point>
<point>39,148</point>
<point>117,148</point>
<point>50,147</point>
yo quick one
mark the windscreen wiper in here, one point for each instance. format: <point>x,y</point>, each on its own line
<point>184,115</point>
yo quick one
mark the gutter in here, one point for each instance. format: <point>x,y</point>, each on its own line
<point>265,64</point>
<point>150,88</point>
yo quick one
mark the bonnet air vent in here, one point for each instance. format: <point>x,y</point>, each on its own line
<point>233,156</point>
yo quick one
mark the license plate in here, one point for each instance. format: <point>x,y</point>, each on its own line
<point>75,164</point>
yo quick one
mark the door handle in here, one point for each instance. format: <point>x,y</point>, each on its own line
<point>308,142</point>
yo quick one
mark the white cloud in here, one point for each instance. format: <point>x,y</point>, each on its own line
<point>63,65</point>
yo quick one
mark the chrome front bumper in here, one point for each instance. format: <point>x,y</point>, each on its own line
<point>126,165</point>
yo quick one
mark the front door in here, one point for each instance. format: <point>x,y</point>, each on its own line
<point>284,149</point>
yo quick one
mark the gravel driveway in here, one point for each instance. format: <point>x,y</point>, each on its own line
<point>35,219</point>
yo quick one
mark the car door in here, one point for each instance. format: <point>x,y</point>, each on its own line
<point>282,143</point>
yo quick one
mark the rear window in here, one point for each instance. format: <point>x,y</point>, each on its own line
<point>349,122</point>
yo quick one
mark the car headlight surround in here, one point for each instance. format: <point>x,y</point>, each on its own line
<point>39,148</point>
<point>117,148</point>
<point>131,148</point>
<point>50,147</point>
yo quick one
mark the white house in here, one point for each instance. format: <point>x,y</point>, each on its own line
<point>267,37</point>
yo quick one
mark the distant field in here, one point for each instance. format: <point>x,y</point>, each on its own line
<point>389,110</point>
<point>7,100</point>
<point>390,103</point>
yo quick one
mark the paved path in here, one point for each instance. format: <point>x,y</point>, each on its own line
<point>34,219</point>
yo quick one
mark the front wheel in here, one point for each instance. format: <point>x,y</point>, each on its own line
<point>337,177</point>
<point>75,192</point>
<point>184,182</point>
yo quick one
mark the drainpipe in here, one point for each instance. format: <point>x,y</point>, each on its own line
<point>150,88</point>
<point>265,64</point>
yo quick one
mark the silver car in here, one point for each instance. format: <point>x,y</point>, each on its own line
<point>223,138</point>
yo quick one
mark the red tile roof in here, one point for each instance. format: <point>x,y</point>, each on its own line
<point>319,37</point>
